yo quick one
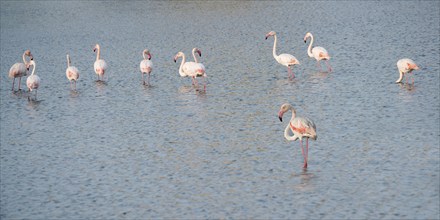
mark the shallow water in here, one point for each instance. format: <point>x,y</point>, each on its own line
<point>123,150</point>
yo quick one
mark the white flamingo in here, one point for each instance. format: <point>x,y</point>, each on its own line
<point>406,66</point>
<point>19,69</point>
<point>319,53</point>
<point>100,65</point>
<point>33,81</point>
<point>301,127</point>
<point>284,59</point>
<point>190,69</point>
<point>146,66</point>
<point>72,73</point>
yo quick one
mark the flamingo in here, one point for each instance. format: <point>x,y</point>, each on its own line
<point>284,59</point>
<point>72,73</point>
<point>146,65</point>
<point>33,81</point>
<point>301,127</point>
<point>100,65</point>
<point>406,66</point>
<point>190,69</point>
<point>201,66</point>
<point>19,69</point>
<point>319,53</point>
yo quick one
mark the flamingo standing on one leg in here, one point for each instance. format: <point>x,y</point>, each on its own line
<point>33,81</point>
<point>190,69</point>
<point>19,69</point>
<point>72,73</point>
<point>284,59</point>
<point>100,65</point>
<point>406,66</point>
<point>301,127</point>
<point>319,53</point>
<point>146,65</point>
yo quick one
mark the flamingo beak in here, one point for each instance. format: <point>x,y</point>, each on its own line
<point>149,57</point>
<point>94,49</point>
<point>280,116</point>
<point>32,58</point>
<point>200,53</point>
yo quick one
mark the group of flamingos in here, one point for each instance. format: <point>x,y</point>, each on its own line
<point>300,127</point>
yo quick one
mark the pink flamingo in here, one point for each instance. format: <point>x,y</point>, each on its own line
<point>191,69</point>
<point>284,59</point>
<point>19,69</point>
<point>33,81</point>
<point>100,65</point>
<point>406,66</point>
<point>146,65</point>
<point>319,53</point>
<point>301,127</point>
<point>72,73</point>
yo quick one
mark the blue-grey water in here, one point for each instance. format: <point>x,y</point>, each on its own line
<point>120,150</point>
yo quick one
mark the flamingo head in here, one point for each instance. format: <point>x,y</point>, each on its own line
<point>96,48</point>
<point>198,51</point>
<point>179,54</point>
<point>284,108</point>
<point>147,52</point>
<point>28,53</point>
<point>307,36</point>
<point>412,66</point>
<point>31,63</point>
<point>272,33</point>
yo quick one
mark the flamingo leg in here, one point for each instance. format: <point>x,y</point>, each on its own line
<point>328,66</point>
<point>148,81</point>
<point>307,150</point>
<point>302,151</point>
<point>318,65</point>
<point>291,75</point>
<point>204,83</point>
<point>13,82</point>
<point>143,80</point>
<point>412,77</point>
<point>19,82</point>
<point>74,85</point>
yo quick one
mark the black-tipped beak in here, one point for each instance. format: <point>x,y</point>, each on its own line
<point>305,41</point>
<point>281,119</point>
<point>174,60</point>
<point>266,37</point>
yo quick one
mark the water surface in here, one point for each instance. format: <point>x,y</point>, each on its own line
<point>122,150</point>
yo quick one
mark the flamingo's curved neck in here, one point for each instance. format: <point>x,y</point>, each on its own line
<point>181,65</point>
<point>24,59</point>
<point>309,50</point>
<point>33,69</point>
<point>143,54</point>
<point>194,55</point>
<point>68,61</point>
<point>98,53</point>
<point>274,51</point>
<point>286,131</point>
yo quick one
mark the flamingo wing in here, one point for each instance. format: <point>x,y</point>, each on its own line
<point>320,53</point>
<point>17,70</point>
<point>146,66</point>
<point>287,59</point>
<point>302,126</point>
<point>100,66</point>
